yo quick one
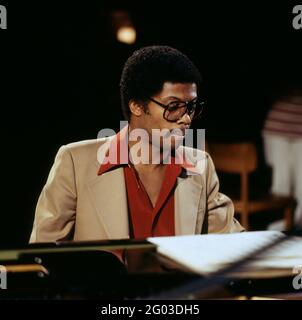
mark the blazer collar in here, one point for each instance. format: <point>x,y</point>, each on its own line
<point>187,198</point>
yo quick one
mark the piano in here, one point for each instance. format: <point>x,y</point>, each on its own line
<point>118,269</point>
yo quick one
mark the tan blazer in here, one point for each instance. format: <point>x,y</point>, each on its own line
<point>78,204</point>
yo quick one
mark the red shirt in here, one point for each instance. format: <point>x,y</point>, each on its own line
<point>146,220</point>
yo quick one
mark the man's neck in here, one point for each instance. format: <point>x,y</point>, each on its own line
<point>153,157</point>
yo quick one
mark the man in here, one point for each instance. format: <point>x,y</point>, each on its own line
<point>88,198</point>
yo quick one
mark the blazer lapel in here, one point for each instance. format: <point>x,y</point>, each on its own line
<point>187,198</point>
<point>109,197</point>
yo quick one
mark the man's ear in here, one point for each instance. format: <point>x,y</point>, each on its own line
<point>136,108</point>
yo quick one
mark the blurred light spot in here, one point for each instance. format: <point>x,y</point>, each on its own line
<point>126,35</point>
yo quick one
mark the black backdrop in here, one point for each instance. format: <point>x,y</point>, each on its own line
<point>60,68</point>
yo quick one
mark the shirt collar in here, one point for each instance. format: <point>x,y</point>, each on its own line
<point>118,150</point>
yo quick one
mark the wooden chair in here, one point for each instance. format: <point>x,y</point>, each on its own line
<point>241,158</point>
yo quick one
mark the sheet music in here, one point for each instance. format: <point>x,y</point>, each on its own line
<point>208,253</point>
<point>287,254</point>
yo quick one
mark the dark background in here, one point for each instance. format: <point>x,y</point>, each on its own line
<point>60,69</point>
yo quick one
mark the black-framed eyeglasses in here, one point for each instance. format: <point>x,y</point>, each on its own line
<point>175,110</point>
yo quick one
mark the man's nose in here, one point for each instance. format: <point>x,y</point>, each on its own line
<point>185,119</point>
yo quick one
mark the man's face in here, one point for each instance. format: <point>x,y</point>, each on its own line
<point>153,118</point>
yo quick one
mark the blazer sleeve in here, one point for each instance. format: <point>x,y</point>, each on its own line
<point>220,208</point>
<point>56,207</point>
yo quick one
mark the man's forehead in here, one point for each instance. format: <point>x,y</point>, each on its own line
<point>179,90</point>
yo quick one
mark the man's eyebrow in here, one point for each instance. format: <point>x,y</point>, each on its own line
<point>173,97</point>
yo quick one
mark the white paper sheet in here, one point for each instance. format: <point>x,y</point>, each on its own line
<point>208,253</point>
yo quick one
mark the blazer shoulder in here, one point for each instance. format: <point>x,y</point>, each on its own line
<point>83,152</point>
<point>194,155</point>
<point>194,152</point>
<point>86,146</point>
